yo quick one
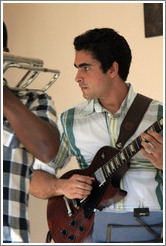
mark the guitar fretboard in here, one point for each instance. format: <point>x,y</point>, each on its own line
<point>125,155</point>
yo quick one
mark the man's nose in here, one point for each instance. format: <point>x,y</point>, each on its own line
<point>78,77</point>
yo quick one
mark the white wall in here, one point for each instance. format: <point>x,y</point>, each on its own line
<point>47,30</point>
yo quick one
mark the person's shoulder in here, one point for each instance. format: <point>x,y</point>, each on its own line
<point>34,95</point>
<point>76,112</point>
<point>26,92</point>
<point>81,106</point>
<point>155,109</point>
<point>157,102</point>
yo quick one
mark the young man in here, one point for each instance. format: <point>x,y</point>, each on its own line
<point>103,60</point>
<point>29,131</point>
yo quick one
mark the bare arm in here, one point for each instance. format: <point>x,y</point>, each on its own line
<point>39,137</point>
<point>44,185</point>
<point>156,148</point>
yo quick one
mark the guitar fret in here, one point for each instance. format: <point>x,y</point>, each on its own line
<point>109,166</point>
<point>136,146</point>
<point>117,162</point>
<point>112,165</point>
<point>137,143</point>
<point>131,147</point>
<point>152,128</point>
<point>139,140</point>
<point>160,123</point>
<point>156,127</point>
<point>108,169</point>
<point>122,156</point>
<point>159,126</point>
<point>129,151</point>
<point>126,152</point>
<point>105,171</point>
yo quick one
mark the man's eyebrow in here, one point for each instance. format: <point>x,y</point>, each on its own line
<point>82,65</point>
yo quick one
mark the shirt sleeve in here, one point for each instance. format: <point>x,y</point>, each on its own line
<point>61,159</point>
<point>43,107</point>
<point>38,165</point>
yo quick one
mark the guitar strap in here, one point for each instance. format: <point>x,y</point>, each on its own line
<point>132,119</point>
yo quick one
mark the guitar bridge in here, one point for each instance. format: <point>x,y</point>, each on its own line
<point>76,203</point>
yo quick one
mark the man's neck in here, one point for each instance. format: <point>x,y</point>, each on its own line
<point>116,96</point>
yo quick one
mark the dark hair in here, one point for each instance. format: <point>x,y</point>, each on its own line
<point>106,46</point>
<point>4,36</point>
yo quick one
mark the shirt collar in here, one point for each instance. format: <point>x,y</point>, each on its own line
<point>94,105</point>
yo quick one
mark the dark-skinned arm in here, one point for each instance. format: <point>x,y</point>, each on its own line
<point>39,137</point>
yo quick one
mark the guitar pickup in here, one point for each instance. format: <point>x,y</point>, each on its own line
<point>99,175</point>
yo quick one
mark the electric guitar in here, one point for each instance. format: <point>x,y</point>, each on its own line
<point>70,220</point>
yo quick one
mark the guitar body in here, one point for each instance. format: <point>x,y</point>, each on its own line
<point>65,229</point>
<point>75,228</point>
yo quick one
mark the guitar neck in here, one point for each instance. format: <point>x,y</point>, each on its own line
<point>135,145</point>
<point>125,155</point>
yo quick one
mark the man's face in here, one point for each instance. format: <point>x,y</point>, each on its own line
<point>90,77</point>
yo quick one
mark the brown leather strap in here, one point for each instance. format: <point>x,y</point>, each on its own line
<point>132,119</point>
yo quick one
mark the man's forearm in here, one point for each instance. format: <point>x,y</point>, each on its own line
<point>39,137</point>
<point>44,185</point>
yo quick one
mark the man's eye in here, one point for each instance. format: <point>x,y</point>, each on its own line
<point>86,68</point>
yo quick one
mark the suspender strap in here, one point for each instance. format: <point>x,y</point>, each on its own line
<point>132,119</point>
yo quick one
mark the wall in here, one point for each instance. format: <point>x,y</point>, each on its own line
<point>47,30</point>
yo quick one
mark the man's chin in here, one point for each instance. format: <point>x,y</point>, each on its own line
<point>88,97</point>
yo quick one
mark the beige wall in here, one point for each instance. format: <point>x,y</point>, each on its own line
<point>47,30</point>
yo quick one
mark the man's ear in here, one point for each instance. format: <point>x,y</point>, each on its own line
<point>114,69</point>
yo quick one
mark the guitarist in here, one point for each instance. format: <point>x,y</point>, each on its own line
<point>102,60</point>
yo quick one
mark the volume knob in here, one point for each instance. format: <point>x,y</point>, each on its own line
<point>64,232</point>
<point>81,228</point>
<point>71,237</point>
<point>73,223</point>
